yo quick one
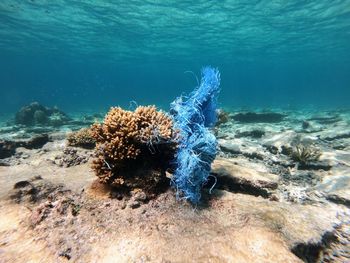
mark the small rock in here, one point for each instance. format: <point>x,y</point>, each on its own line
<point>229,146</point>
<point>253,117</point>
<point>66,253</point>
<point>140,196</point>
<point>225,167</point>
<point>37,141</point>
<point>134,204</point>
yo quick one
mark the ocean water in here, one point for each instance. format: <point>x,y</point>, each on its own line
<point>90,55</point>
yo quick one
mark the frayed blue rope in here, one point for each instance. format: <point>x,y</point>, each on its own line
<point>193,115</point>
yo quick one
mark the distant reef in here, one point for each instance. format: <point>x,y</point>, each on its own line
<point>37,114</point>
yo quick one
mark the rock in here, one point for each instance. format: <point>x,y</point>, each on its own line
<point>40,213</point>
<point>305,125</point>
<point>134,204</point>
<point>229,146</point>
<point>5,163</point>
<point>36,142</point>
<point>235,178</point>
<point>66,253</point>
<point>256,134</point>
<point>32,190</point>
<point>325,119</point>
<point>36,114</point>
<point>345,135</point>
<point>253,117</point>
<point>315,166</point>
<point>7,149</point>
<point>58,119</point>
<point>272,149</point>
<point>279,139</point>
<point>40,117</point>
<point>72,157</point>
<point>223,117</point>
<point>26,114</point>
<point>140,196</point>
<point>307,229</point>
<point>336,189</point>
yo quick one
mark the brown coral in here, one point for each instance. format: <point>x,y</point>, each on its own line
<point>82,138</point>
<point>133,149</point>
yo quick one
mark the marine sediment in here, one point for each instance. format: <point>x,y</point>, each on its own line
<point>256,194</point>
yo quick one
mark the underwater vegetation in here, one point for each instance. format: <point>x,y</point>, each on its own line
<point>304,154</point>
<point>193,116</point>
<point>134,148</point>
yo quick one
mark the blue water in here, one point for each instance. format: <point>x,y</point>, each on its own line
<point>89,55</point>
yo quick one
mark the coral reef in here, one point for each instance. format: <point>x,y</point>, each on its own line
<point>134,149</point>
<point>37,114</point>
<point>82,138</point>
<point>197,144</point>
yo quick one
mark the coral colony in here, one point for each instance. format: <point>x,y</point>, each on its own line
<point>135,149</point>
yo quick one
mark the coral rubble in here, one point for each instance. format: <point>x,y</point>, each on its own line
<point>134,149</point>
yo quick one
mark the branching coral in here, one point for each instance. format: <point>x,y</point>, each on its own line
<point>133,149</point>
<point>82,138</point>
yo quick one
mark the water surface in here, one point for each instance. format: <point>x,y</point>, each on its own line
<point>93,54</point>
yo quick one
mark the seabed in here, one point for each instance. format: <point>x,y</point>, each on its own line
<point>263,202</point>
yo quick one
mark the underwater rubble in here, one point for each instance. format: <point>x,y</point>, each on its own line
<point>259,204</point>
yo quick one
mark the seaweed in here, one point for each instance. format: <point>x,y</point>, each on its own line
<point>305,154</point>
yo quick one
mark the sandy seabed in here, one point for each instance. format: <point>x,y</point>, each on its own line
<point>265,206</point>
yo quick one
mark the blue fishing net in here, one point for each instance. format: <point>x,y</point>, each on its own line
<point>193,115</point>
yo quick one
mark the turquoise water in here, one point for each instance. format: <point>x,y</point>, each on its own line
<point>94,54</point>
